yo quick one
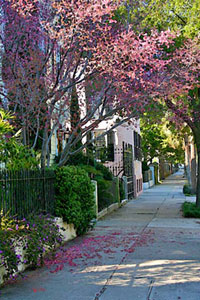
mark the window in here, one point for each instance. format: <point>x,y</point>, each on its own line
<point>111,146</point>
<point>100,142</point>
<point>137,146</point>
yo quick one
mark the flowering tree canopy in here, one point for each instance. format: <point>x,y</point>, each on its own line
<point>49,47</point>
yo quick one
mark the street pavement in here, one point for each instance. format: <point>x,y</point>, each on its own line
<point>145,250</point>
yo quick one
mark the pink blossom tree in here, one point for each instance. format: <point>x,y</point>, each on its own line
<point>177,85</point>
<point>180,91</point>
<point>50,47</point>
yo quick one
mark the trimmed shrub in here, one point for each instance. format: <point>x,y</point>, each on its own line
<point>121,190</point>
<point>105,196</point>
<point>78,159</point>
<point>107,174</point>
<point>92,172</point>
<point>104,179</point>
<point>187,189</point>
<point>145,167</point>
<point>190,210</point>
<point>75,197</point>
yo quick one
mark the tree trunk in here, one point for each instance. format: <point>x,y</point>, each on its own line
<point>44,148</point>
<point>196,133</point>
<point>198,178</point>
<point>193,175</point>
<point>187,160</point>
<point>24,141</point>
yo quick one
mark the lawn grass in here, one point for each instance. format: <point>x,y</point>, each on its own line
<point>190,210</point>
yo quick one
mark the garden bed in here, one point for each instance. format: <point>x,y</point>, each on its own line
<point>17,258</point>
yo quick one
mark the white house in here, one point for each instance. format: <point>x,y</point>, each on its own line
<point>122,150</point>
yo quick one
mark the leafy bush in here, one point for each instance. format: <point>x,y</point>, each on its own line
<point>42,234</point>
<point>75,197</point>
<point>104,178</point>
<point>145,167</point>
<point>187,189</point>
<point>121,190</point>
<point>190,210</point>
<point>83,160</point>
<point>107,175</point>
<point>78,159</point>
<point>98,172</point>
<point>15,155</point>
<point>92,171</point>
<point>34,234</point>
<point>105,197</point>
<point>18,157</point>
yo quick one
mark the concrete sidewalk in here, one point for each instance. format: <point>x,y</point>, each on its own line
<point>145,250</point>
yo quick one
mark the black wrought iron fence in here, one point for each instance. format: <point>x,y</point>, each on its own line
<point>108,195</point>
<point>130,187</point>
<point>26,191</point>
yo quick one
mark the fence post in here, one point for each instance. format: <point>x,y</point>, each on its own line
<point>95,196</point>
<point>116,179</point>
<point>43,189</point>
<point>125,185</point>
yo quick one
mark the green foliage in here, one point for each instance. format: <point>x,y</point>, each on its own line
<point>156,171</point>
<point>41,234</point>
<point>104,178</point>
<point>98,172</point>
<point>12,152</point>
<point>145,167</point>
<point>92,171</point>
<point>75,197</point>
<point>17,157</point>
<point>87,162</point>
<point>190,210</point>
<point>161,140</point>
<point>175,15</point>
<point>121,190</point>
<point>107,174</point>
<point>8,256</point>
<point>187,189</point>
<point>105,196</point>
<point>5,126</point>
<point>34,234</point>
<point>80,159</point>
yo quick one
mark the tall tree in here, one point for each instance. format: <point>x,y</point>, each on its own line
<point>161,140</point>
<point>52,46</point>
<point>184,17</point>
<point>176,15</point>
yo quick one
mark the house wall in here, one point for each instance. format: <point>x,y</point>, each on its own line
<point>138,177</point>
<point>125,134</point>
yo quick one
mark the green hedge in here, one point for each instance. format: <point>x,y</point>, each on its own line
<point>75,197</point>
<point>100,173</point>
<point>187,189</point>
<point>104,178</point>
<point>190,210</point>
